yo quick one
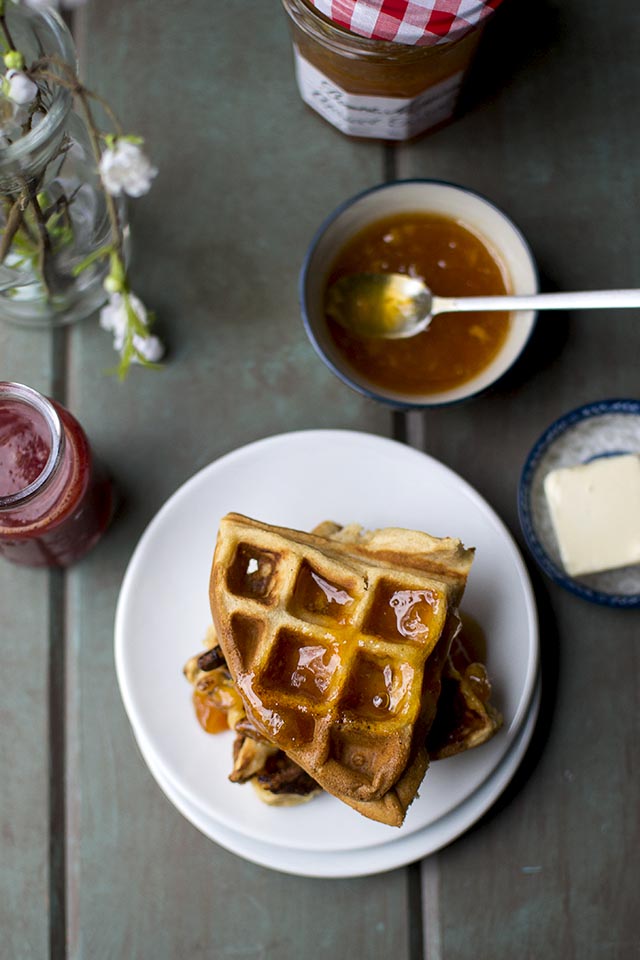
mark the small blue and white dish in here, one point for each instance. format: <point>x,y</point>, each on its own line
<point>600,429</point>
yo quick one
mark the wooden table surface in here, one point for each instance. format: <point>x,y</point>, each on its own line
<point>96,863</point>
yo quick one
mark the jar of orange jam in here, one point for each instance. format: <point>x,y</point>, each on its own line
<point>389,70</point>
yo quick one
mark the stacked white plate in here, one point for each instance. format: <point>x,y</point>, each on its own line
<point>298,480</point>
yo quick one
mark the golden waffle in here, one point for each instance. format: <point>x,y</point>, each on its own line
<point>465,717</point>
<point>328,641</point>
<point>277,780</point>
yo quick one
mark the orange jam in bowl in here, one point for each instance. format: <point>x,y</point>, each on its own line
<point>460,244</point>
<point>453,261</point>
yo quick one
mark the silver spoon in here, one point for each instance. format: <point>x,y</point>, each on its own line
<point>394,305</point>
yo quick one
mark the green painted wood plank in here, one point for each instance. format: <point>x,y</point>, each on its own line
<point>247,174</point>
<point>25,598</point>
<point>554,868</point>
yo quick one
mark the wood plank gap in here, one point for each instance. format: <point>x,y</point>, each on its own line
<point>416,429</point>
<point>415,918</point>
<point>389,162</point>
<point>57,778</point>
<point>399,426</point>
<point>60,345</point>
<point>430,908</point>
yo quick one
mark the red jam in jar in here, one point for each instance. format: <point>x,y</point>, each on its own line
<point>56,499</point>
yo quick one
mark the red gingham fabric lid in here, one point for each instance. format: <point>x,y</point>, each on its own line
<point>419,22</point>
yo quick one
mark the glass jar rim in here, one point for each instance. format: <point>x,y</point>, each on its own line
<point>31,397</point>
<point>313,21</point>
<point>61,100</point>
<point>319,27</point>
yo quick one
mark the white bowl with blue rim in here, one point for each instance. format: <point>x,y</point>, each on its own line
<point>601,429</point>
<point>474,212</point>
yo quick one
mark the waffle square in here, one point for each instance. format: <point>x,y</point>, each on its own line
<point>337,648</point>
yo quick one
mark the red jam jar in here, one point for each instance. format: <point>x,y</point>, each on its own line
<point>56,499</point>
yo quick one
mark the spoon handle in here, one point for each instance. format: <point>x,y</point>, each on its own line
<point>585,300</point>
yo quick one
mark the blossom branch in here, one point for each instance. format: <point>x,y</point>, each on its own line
<point>73,84</point>
<point>5,27</point>
<point>15,218</point>
<point>112,210</point>
<point>44,239</point>
<point>122,167</point>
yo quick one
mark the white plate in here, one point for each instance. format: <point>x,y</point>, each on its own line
<point>299,479</point>
<point>375,859</point>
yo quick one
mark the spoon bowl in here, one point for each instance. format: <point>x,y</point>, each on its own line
<point>389,305</point>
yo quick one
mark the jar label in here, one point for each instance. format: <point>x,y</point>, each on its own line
<point>386,118</point>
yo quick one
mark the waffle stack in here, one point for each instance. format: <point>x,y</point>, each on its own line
<point>337,641</point>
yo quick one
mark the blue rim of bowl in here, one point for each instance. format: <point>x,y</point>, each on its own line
<point>358,387</point>
<point>555,430</point>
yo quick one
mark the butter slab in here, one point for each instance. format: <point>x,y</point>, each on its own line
<point>595,511</point>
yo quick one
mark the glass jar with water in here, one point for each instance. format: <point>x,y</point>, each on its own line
<point>53,214</point>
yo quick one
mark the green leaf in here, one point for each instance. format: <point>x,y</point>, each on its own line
<point>126,358</point>
<point>149,364</point>
<point>92,258</point>
<point>136,325</point>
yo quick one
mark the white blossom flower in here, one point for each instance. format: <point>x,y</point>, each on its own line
<point>20,88</point>
<point>151,348</point>
<point>113,318</point>
<point>125,168</point>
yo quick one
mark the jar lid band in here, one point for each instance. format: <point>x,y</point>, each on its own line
<point>414,22</point>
